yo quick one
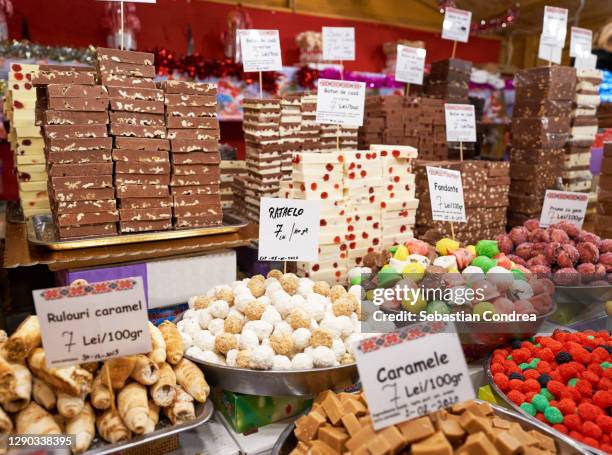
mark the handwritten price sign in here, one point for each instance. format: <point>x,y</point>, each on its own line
<point>563,206</point>
<point>338,43</point>
<point>340,102</point>
<point>260,50</point>
<point>289,230</point>
<point>460,122</point>
<point>446,194</point>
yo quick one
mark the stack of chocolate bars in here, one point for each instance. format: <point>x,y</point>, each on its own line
<point>485,192</point>
<point>449,80</point>
<point>310,130</point>
<point>140,151</point>
<point>289,130</point>
<point>261,127</point>
<point>193,129</point>
<point>230,170</point>
<point>603,221</point>
<point>383,121</point>
<point>540,130</point>
<point>26,140</point>
<point>576,173</point>
<point>74,114</point>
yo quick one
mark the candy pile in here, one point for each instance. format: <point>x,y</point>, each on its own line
<point>572,255</point>
<point>281,322</point>
<point>563,380</point>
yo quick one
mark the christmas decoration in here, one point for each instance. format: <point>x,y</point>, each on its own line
<point>237,19</point>
<point>111,22</point>
<point>6,11</point>
<point>31,51</point>
<point>495,24</point>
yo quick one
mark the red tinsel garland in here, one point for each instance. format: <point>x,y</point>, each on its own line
<point>306,77</point>
<point>197,67</point>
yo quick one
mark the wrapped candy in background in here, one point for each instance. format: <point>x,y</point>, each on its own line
<point>111,22</point>
<point>311,47</point>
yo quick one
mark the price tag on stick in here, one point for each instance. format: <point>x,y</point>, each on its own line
<point>586,62</point>
<point>410,64</point>
<point>581,42</point>
<point>456,25</point>
<point>563,206</point>
<point>340,102</point>
<point>338,43</point>
<point>93,322</point>
<point>260,50</point>
<point>289,229</point>
<point>550,53</point>
<point>554,26</point>
<point>446,194</point>
<point>405,378</point>
<point>460,122</point>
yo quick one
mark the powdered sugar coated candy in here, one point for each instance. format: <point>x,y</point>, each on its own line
<point>216,326</point>
<point>301,361</point>
<point>281,362</point>
<point>323,357</point>
<point>262,358</point>
<point>204,340</point>
<point>204,318</point>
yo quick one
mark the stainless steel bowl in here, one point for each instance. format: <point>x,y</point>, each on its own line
<point>565,446</point>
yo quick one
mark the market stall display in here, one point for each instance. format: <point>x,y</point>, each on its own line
<point>603,221</point>
<point>449,80</point>
<point>230,170</point>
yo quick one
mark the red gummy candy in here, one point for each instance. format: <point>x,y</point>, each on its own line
<point>599,355</point>
<point>545,354</point>
<point>516,397</point>
<point>567,371</point>
<point>497,368</point>
<point>530,385</point>
<point>576,435</point>
<point>531,374</point>
<point>588,411</point>
<point>521,355</point>
<point>591,377</point>
<point>501,380</point>
<point>515,384</point>
<point>573,422</point>
<point>566,406</point>
<point>590,442</point>
<point>591,430</point>
<point>555,387</point>
<point>584,387</point>
<point>604,384</point>
<point>543,367</point>
<point>541,417</point>
<point>604,422</point>
<point>529,396</point>
<point>605,448</point>
<point>596,368</point>
<point>602,398</point>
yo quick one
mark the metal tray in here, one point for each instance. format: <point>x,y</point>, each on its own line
<point>41,231</point>
<point>278,383</point>
<point>565,446</point>
<point>583,295</point>
<point>204,412</point>
<point>556,434</point>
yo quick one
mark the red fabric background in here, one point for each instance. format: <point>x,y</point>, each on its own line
<point>77,22</point>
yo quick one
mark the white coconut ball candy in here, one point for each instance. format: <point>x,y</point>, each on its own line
<point>204,318</point>
<point>522,290</point>
<point>314,325</point>
<point>262,358</point>
<point>248,340</point>
<point>501,277</point>
<point>187,340</point>
<point>282,328</point>
<point>330,324</point>
<point>297,301</point>
<point>194,352</point>
<point>191,326</point>
<point>205,340</point>
<point>271,315</point>
<point>301,338</point>
<point>230,357</point>
<point>273,286</point>
<point>242,301</point>
<point>210,356</point>
<point>260,328</point>
<point>315,306</point>
<point>305,286</point>
<point>237,314</point>
<point>351,340</point>
<point>191,300</point>
<point>216,326</point>
<point>281,362</point>
<point>266,342</point>
<point>219,309</point>
<point>346,325</point>
<point>323,357</point>
<point>210,292</point>
<point>223,287</point>
<point>190,314</point>
<point>338,348</point>
<point>357,291</point>
<point>301,361</point>
<point>472,273</point>
<point>264,299</point>
<point>282,303</point>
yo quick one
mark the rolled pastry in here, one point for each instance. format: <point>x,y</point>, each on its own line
<point>182,410</point>
<point>158,345</point>
<point>26,337</point>
<point>22,391</point>
<point>191,378</point>
<point>145,370</point>
<point>43,394</point>
<point>7,380</point>
<point>163,391</point>
<point>153,417</point>
<point>111,427</point>
<point>92,367</point>
<point>72,380</point>
<point>6,424</point>
<point>33,419</point>
<point>120,369</point>
<point>100,397</point>
<point>69,405</point>
<point>83,426</point>
<point>61,421</point>
<point>174,342</point>
<point>133,407</point>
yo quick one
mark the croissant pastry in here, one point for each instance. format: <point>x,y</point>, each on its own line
<point>191,378</point>
<point>7,380</point>
<point>145,370</point>
<point>120,369</point>
<point>174,342</point>
<point>72,380</point>
<point>43,394</point>
<point>69,406</point>
<point>6,424</point>
<point>33,419</point>
<point>83,426</point>
<point>100,397</point>
<point>182,410</point>
<point>22,392</point>
<point>153,417</point>
<point>133,407</point>
<point>111,427</point>
<point>158,345</point>
<point>163,391</point>
<point>26,337</point>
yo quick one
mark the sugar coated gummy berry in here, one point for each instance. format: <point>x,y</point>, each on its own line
<point>563,357</point>
<point>516,397</point>
<point>543,379</point>
<point>488,248</point>
<point>528,408</point>
<point>484,262</point>
<point>516,376</point>
<point>553,415</point>
<point>540,402</point>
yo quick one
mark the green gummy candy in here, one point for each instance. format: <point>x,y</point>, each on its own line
<point>518,275</point>
<point>540,402</point>
<point>529,408</point>
<point>509,357</point>
<point>487,248</point>
<point>356,280</point>
<point>524,366</point>
<point>393,249</point>
<point>590,337</point>
<point>553,415</point>
<point>605,365</point>
<point>572,382</point>
<point>484,262</point>
<point>546,394</point>
<point>534,362</point>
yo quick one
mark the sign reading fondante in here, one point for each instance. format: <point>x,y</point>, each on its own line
<point>446,194</point>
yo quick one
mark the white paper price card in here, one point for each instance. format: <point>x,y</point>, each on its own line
<point>549,53</point>
<point>586,62</point>
<point>554,27</point>
<point>563,206</point>
<point>260,50</point>
<point>410,64</point>
<point>446,194</point>
<point>289,229</point>
<point>581,42</point>
<point>340,102</point>
<point>411,373</point>
<point>93,322</point>
<point>460,122</point>
<point>338,43</point>
<point>456,25</point>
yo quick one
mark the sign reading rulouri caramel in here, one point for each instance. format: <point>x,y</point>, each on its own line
<point>410,64</point>
<point>460,122</point>
<point>260,50</point>
<point>409,373</point>
<point>446,194</point>
<point>563,206</point>
<point>289,229</point>
<point>340,102</point>
<point>456,25</point>
<point>93,322</point>
<point>338,43</point>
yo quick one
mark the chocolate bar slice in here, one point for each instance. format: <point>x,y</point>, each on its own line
<point>193,122</point>
<point>80,219</point>
<point>126,69</point>
<point>82,183</point>
<point>127,167</point>
<point>140,156</point>
<point>144,106</point>
<point>78,104</point>
<point>194,169</point>
<point>146,203</point>
<point>145,214</point>
<point>94,230</point>
<point>67,76</point>
<point>189,88</point>
<point>134,143</point>
<point>127,227</point>
<point>196,134</point>
<point>191,180</point>
<point>196,158</point>
<point>90,143</point>
<point>118,129</point>
<point>83,194</point>
<point>195,200</point>
<point>74,131</point>
<point>136,93</point>
<point>191,111</point>
<point>51,117</point>
<point>106,54</point>
<point>201,221</point>
<point>142,191</point>
<point>193,145</point>
<point>197,210</point>
<point>195,189</point>
<point>86,206</point>
<point>116,80</point>
<point>87,156</point>
<point>172,99</point>
<point>70,170</point>
<point>142,179</point>
<point>76,91</point>
<point>136,118</point>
